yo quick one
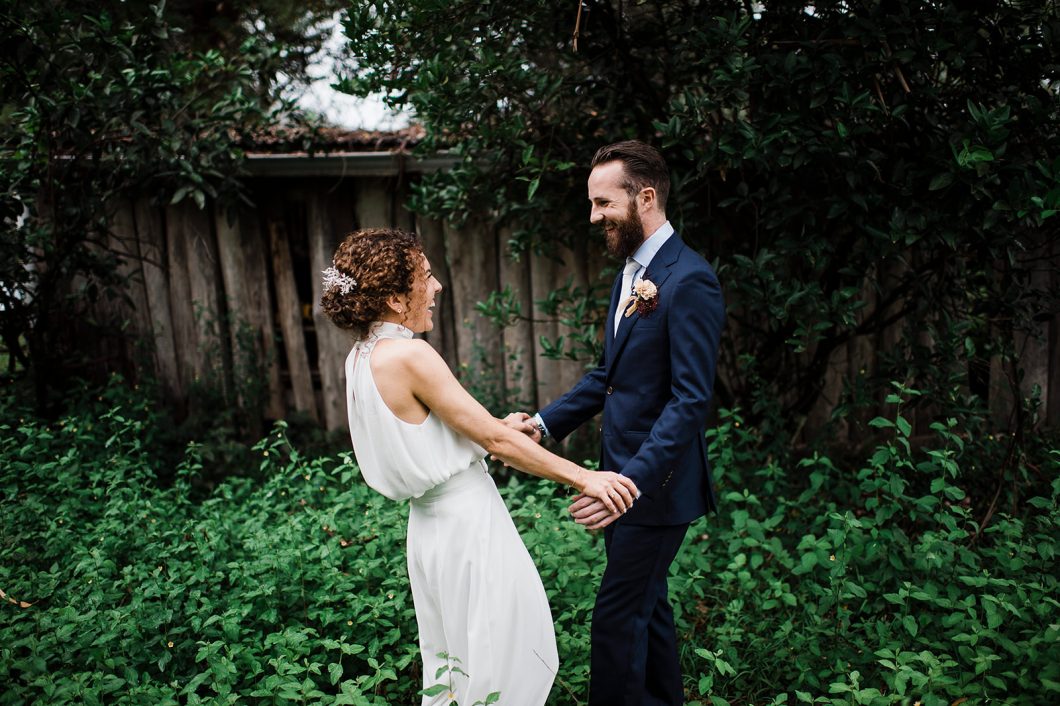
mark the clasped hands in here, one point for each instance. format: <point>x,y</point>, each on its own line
<point>587,508</point>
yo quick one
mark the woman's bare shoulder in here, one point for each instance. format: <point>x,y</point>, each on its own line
<point>405,355</point>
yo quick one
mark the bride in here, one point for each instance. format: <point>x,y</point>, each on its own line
<point>418,434</point>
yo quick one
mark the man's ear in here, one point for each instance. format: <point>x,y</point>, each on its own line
<point>647,198</point>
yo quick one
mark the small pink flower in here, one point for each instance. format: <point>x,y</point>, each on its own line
<point>644,299</point>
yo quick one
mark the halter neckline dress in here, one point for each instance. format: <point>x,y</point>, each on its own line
<point>477,593</point>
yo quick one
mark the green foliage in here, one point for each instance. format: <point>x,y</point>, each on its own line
<point>283,590</point>
<point>870,583</point>
<point>875,584</point>
<point>853,168</point>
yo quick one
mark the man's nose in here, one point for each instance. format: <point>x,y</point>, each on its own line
<point>595,216</point>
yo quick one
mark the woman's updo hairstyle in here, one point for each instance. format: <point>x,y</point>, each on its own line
<point>382,262</point>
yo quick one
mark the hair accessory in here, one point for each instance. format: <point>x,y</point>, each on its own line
<point>333,279</point>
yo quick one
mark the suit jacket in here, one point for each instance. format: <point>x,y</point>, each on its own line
<point>654,385</point>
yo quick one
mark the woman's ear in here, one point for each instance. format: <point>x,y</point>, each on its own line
<point>396,303</point>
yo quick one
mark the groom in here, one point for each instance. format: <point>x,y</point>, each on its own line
<point>654,386</point>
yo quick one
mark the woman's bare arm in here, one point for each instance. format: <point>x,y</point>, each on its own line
<point>430,381</point>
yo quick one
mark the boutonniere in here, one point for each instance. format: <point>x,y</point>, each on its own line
<point>644,299</point>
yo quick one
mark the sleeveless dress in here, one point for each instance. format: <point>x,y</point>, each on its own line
<point>477,593</point>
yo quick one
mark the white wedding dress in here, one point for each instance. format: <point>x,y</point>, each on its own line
<point>477,593</point>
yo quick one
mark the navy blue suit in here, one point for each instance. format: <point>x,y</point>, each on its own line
<point>654,386</point>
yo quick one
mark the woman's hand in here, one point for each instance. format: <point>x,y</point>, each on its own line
<point>615,491</point>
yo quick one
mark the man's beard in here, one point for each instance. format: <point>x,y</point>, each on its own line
<point>627,236</point>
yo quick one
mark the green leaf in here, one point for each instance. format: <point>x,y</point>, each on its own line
<point>940,181</point>
<point>179,195</point>
<point>723,667</point>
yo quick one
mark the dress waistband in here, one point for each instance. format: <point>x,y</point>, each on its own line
<point>472,475</point>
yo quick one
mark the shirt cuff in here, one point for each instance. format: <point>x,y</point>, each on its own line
<point>537,421</point>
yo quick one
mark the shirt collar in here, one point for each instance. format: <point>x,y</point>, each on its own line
<point>655,241</point>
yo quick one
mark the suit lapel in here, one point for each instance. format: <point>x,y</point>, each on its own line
<point>658,272</point>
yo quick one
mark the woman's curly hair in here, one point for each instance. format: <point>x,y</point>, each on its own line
<point>384,262</point>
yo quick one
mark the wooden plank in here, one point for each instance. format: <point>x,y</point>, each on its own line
<point>555,377</point>
<point>235,295</point>
<point>1033,346</point>
<point>333,344</point>
<point>233,275</point>
<point>862,352</point>
<point>545,274</point>
<point>373,205</point>
<point>518,340</point>
<point>403,217</point>
<point>1033,351</point>
<point>891,275</point>
<point>182,308</point>
<point>240,250</point>
<point>1001,400</point>
<point>820,415</point>
<point>342,206</point>
<point>122,241</point>
<point>150,232</point>
<point>212,358</point>
<point>473,269</point>
<point>443,337</point>
<point>255,245</point>
<point>289,314</point>
<point>576,259</point>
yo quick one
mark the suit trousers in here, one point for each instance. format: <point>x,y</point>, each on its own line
<point>634,659</point>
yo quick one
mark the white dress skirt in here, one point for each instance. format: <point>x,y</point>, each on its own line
<point>483,617</point>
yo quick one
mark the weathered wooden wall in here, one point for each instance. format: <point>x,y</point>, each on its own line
<point>216,291</point>
<point>203,279</point>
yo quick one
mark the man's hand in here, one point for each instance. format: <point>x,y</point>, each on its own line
<point>591,513</point>
<point>520,421</point>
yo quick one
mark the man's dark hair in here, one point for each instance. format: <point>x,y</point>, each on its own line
<point>643,165</point>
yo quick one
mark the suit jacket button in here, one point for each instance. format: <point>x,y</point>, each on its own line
<point>610,389</point>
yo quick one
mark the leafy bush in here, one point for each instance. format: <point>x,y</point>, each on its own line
<point>881,174</point>
<point>274,591</point>
<point>873,584</point>
<point>867,584</point>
